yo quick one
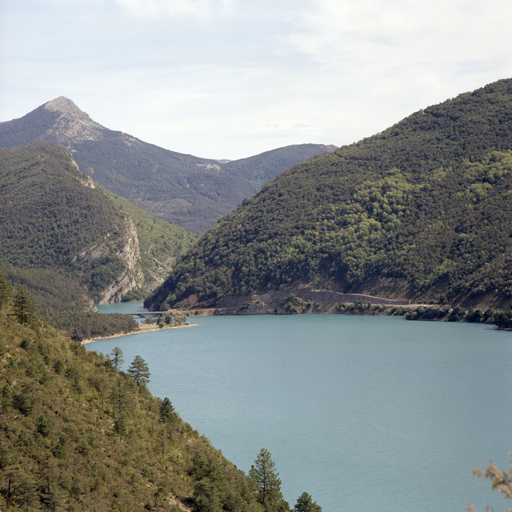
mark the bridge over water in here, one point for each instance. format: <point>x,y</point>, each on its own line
<point>146,313</point>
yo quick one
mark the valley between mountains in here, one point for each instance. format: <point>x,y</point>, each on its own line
<point>417,214</point>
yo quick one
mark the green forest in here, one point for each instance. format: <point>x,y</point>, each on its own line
<point>160,243</point>
<point>266,166</point>
<point>421,211</point>
<point>48,219</point>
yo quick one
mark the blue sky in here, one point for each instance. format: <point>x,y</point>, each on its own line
<point>234,78</point>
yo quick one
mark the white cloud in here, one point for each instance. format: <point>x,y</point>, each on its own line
<point>361,33</point>
<point>388,58</point>
<point>228,79</point>
<point>421,44</point>
<point>200,10</point>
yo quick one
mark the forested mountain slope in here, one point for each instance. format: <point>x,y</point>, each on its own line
<point>185,190</point>
<point>69,243</point>
<point>160,243</point>
<point>420,211</point>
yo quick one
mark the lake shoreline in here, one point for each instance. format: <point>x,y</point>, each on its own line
<point>414,312</point>
<point>143,328</point>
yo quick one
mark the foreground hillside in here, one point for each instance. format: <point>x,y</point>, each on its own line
<point>77,435</point>
<point>421,211</point>
<point>185,190</point>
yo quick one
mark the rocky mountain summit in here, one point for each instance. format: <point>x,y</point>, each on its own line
<point>72,124</point>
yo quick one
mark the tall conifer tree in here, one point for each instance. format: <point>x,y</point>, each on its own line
<point>305,503</point>
<point>266,479</point>
<point>117,358</point>
<point>23,306</point>
<point>139,370</point>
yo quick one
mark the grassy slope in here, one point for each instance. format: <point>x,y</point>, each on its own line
<point>418,211</point>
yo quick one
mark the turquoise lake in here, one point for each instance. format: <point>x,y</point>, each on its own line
<point>363,413</point>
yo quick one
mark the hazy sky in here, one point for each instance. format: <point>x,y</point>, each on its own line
<point>234,78</point>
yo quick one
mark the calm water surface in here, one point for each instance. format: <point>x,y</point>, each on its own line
<point>364,413</point>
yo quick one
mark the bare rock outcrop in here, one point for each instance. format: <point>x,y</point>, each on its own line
<point>126,248</point>
<point>72,125</point>
<point>133,276</point>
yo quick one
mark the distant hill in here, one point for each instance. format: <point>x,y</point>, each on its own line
<point>266,166</point>
<point>421,211</point>
<point>185,190</point>
<point>68,242</point>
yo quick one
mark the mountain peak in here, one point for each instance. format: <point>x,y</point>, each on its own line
<point>64,105</point>
<point>71,123</point>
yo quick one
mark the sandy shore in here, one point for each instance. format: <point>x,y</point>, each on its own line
<point>142,328</point>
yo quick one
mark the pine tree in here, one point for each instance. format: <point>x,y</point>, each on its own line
<point>167,413</point>
<point>266,479</point>
<point>23,306</point>
<point>117,358</point>
<point>305,503</point>
<point>139,370</point>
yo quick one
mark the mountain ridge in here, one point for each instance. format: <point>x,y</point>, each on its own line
<point>184,190</point>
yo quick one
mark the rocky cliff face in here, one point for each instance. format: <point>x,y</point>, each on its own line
<point>126,248</point>
<point>133,276</point>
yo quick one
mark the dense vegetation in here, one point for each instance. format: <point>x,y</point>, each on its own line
<point>47,213</point>
<point>78,434</point>
<point>62,303</point>
<point>182,189</point>
<point>48,217</point>
<point>420,211</point>
<point>85,325</point>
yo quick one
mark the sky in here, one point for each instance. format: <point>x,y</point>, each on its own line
<point>229,79</point>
